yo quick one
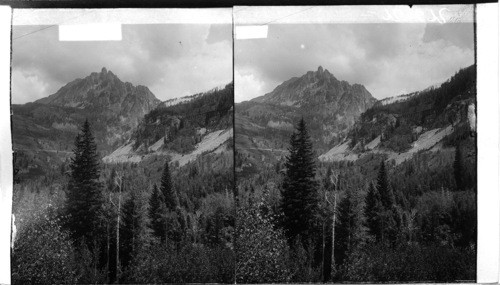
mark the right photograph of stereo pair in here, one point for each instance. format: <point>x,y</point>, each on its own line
<point>355,144</point>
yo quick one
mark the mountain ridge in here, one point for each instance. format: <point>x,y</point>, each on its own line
<point>436,118</point>
<point>104,91</point>
<point>328,105</point>
<point>315,87</point>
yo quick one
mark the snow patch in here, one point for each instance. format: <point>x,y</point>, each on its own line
<point>176,101</point>
<point>395,99</point>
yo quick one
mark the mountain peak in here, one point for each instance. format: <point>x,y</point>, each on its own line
<point>103,90</point>
<point>320,87</point>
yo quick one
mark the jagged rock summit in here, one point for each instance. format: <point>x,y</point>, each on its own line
<point>104,91</point>
<point>317,88</point>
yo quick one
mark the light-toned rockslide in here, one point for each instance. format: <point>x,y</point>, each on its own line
<point>428,140</point>
<point>211,142</point>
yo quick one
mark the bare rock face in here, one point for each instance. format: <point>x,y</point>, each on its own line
<point>320,87</point>
<point>104,92</point>
<point>329,106</point>
<point>44,131</point>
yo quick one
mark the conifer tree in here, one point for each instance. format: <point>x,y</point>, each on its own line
<point>166,187</point>
<point>373,207</point>
<point>84,201</point>
<point>157,213</point>
<point>299,189</point>
<point>387,215</point>
<point>385,192</point>
<point>348,227</point>
<point>132,229</point>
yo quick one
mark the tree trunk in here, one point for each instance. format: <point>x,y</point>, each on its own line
<point>333,231</point>
<point>323,254</point>
<point>107,251</point>
<point>118,237</point>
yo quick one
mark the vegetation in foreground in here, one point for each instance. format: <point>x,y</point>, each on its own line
<point>363,221</point>
<point>124,223</point>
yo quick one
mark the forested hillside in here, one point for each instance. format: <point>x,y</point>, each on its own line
<point>394,200</point>
<point>399,124</point>
<point>43,131</point>
<point>182,125</point>
<point>264,124</point>
<point>167,217</point>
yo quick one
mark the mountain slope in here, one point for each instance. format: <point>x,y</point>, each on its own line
<point>434,119</point>
<point>329,107</point>
<point>103,93</point>
<point>44,131</point>
<point>201,124</point>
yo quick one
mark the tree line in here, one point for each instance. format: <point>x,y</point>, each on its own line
<point>333,222</point>
<point>111,231</point>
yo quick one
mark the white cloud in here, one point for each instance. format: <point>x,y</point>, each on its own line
<point>28,87</point>
<point>161,57</point>
<point>246,86</point>
<point>386,58</point>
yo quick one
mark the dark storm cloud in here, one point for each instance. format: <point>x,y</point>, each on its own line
<point>168,58</point>
<point>389,59</point>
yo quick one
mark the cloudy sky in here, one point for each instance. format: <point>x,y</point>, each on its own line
<point>173,60</point>
<point>389,59</point>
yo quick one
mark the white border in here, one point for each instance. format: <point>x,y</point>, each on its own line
<point>123,16</point>
<point>488,129</point>
<point>488,108</point>
<point>5,146</point>
<point>246,15</point>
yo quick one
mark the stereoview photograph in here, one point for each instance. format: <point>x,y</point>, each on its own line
<point>355,147</point>
<point>123,156</point>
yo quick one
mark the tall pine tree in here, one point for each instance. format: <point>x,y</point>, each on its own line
<point>373,207</point>
<point>84,201</point>
<point>167,189</point>
<point>385,192</point>
<point>346,228</point>
<point>387,216</point>
<point>157,212</point>
<point>299,189</point>
<point>132,230</point>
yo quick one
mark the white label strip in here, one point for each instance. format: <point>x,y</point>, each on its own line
<point>250,32</point>
<point>90,32</point>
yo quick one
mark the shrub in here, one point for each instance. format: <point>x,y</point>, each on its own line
<point>43,253</point>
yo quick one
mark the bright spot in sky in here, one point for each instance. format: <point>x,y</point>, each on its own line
<point>302,46</point>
